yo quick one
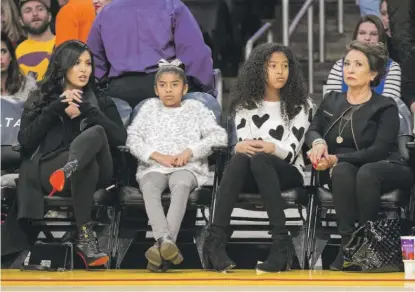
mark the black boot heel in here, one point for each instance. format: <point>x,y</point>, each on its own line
<point>87,247</point>
<point>214,250</point>
<point>280,257</point>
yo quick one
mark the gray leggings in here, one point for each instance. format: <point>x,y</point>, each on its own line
<point>180,183</point>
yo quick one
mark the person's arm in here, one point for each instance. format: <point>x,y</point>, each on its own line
<point>97,48</point>
<point>191,48</point>
<point>212,133</point>
<point>335,78</point>
<point>67,25</point>
<point>392,86</point>
<point>290,146</point>
<point>108,117</point>
<point>386,137</point>
<point>36,122</point>
<point>402,25</point>
<point>408,81</point>
<point>319,121</point>
<point>136,133</point>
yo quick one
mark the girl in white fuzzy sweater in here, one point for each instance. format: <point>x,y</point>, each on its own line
<point>172,140</point>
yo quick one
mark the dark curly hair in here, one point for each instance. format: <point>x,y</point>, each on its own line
<point>249,90</point>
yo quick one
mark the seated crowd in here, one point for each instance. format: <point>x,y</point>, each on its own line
<point>157,97</point>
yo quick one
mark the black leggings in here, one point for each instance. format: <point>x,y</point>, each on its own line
<point>357,190</point>
<point>94,170</point>
<point>262,172</point>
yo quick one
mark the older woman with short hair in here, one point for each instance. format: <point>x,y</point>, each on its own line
<point>369,30</point>
<point>354,137</point>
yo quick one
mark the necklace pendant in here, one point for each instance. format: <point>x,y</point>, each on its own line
<point>339,139</point>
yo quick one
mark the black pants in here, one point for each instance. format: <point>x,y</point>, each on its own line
<point>133,88</point>
<point>94,170</point>
<point>265,173</point>
<point>357,190</point>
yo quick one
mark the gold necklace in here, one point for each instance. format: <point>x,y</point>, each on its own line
<point>339,138</point>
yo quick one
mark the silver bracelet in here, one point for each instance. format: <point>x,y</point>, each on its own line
<point>319,141</point>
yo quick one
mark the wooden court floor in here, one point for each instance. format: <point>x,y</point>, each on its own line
<point>197,280</point>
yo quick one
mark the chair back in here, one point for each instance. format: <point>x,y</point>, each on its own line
<point>11,112</point>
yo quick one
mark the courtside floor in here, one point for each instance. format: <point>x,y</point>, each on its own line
<point>197,280</point>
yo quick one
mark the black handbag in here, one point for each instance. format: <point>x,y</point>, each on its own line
<point>374,247</point>
<point>50,257</point>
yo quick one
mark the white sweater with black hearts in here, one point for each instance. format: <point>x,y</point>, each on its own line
<point>266,123</point>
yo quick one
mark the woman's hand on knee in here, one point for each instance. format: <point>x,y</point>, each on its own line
<point>249,147</point>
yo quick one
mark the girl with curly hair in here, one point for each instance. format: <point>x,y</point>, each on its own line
<point>272,112</point>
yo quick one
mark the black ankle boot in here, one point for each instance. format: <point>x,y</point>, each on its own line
<point>87,247</point>
<point>337,265</point>
<point>281,255</point>
<point>70,167</point>
<point>214,250</point>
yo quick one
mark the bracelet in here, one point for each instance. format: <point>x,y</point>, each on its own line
<point>318,141</point>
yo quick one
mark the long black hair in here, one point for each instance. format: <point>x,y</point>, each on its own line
<point>63,59</point>
<point>15,80</point>
<point>249,90</point>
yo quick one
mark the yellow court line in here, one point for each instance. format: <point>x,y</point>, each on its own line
<point>199,278</point>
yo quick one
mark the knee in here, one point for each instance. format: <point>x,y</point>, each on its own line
<point>98,133</point>
<point>342,169</point>
<point>258,161</point>
<point>367,173</point>
<point>99,130</point>
<point>239,160</point>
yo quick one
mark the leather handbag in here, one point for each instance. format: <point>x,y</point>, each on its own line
<point>374,247</point>
<point>50,257</point>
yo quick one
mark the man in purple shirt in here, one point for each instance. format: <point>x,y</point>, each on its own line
<point>129,37</point>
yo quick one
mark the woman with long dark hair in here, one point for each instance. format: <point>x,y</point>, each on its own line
<point>66,134</point>
<point>271,109</point>
<point>15,88</point>
<point>13,82</point>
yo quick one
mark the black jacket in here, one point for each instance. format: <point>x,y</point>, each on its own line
<point>402,24</point>
<point>42,133</point>
<point>375,127</point>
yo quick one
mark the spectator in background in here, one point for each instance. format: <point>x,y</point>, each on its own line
<point>369,30</point>
<point>15,88</point>
<point>369,7</point>
<point>129,37</point>
<point>10,22</point>
<point>62,3</point>
<point>402,26</point>
<point>34,53</point>
<point>393,52</point>
<point>74,21</point>
<point>99,4</point>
